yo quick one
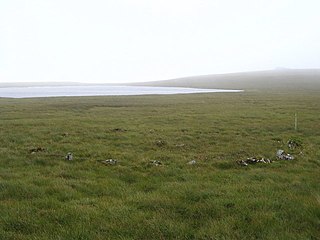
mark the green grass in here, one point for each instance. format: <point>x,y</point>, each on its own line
<point>43,196</point>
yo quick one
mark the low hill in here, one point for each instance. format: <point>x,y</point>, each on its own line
<point>284,79</point>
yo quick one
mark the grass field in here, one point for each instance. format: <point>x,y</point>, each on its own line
<point>43,196</point>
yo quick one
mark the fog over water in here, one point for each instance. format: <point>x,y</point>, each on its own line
<point>124,41</point>
<point>98,90</point>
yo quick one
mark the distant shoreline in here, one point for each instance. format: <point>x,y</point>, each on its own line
<point>99,90</point>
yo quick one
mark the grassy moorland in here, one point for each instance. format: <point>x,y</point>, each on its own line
<point>43,196</point>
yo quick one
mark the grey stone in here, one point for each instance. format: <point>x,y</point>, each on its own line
<point>292,144</point>
<point>36,150</point>
<point>69,156</point>
<point>253,160</point>
<point>284,156</point>
<point>155,162</point>
<point>180,145</point>
<point>280,152</point>
<point>192,162</point>
<point>160,143</point>
<point>109,162</point>
<point>119,130</point>
<point>243,163</point>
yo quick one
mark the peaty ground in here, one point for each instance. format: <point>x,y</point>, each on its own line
<point>43,196</point>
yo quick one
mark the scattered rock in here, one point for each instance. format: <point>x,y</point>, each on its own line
<point>279,140</point>
<point>119,130</point>
<point>37,149</point>
<point>192,162</point>
<point>160,143</point>
<point>229,205</point>
<point>109,162</point>
<point>284,156</point>
<point>279,153</point>
<point>242,163</point>
<point>292,144</point>
<point>69,157</point>
<point>180,145</point>
<point>155,162</point>
<point>254,160</point>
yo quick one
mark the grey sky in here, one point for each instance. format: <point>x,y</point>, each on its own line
<point>145,40</point>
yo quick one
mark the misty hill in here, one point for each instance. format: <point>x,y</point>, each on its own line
<point>280,79</point>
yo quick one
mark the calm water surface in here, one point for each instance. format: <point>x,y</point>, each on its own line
<point>97,90</point>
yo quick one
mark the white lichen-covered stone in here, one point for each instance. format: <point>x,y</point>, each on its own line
<point>109,162</point>
<point>69,157</point>
<point>192,162</point>
<point>253,160</point>
<point>280,152</point>
<point>284,156</point>
<point>156,163</point>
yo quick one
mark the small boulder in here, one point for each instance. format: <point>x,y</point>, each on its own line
<point>280,152</point>
<point>69,156</point>
<point>192,162</point>
<point>119,130</point>
<point>155,162</point>
<point>180,145</point>
<point>253,160</point>
<point>292,144</point>
<point>109,162</point>
<point>243,163</point>
<point>284,156</point>
<point>37,149</point>
<point>160,143</point>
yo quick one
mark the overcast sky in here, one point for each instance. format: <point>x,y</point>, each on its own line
<point>145,40</point>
